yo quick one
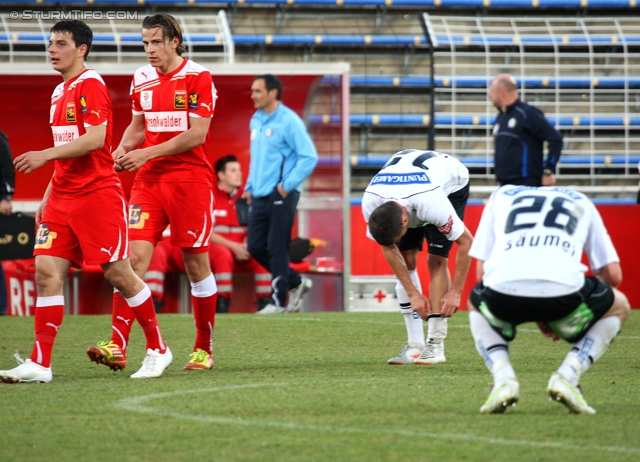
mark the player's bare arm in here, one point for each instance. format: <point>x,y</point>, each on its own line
<point>451,300</point>
<point>611,273</point>
<point>419,303</point>
<point>132,137</point>
<point>92,140</point>
<point>193,137</point>
<point>238,249</point>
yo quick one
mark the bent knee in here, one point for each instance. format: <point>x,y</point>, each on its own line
<point>621,306</point>
<point>436,261</point>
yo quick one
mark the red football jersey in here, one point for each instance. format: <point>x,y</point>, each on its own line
<point>167,101</point>
<point>225,215</point>
<point>82,102</point>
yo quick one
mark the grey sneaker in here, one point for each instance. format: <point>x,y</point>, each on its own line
<point>502,397</point>
<point>296,295</point>
<point>433,353</point>
<point>561,390</point>
<point>409,353</point>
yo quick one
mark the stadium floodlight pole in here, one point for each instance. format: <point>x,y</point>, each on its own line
<point>432,42</point>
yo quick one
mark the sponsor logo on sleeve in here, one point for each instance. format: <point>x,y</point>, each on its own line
<point>146,99</point>
<point>446,228</point>
<point>193,101</point>
<point>180,99</point>
<point>51,113</point>
<point>44,237</point>
<point>137,217</point>
<point>71,112</point>
<point>83,104</point>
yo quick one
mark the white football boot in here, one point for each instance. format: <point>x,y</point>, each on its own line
<point>26,372</point>
<point>501,397</point>
<point>409,353</point>
<point>561,390</point>
<point>154,364</point>
<point>433,353</point>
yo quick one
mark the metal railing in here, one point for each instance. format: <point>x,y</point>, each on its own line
<point>550,51</point>
<point>27,39</point>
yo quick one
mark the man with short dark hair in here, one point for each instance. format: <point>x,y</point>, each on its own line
<point>84,182</point>
<point>418,195</point>
<point>229,251</point>
<point>282,157</point>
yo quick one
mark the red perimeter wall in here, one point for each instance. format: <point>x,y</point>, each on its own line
<point>367,259</point>
<point>25,118</point>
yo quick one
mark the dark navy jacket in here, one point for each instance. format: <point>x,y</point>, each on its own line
<point>518,136</point>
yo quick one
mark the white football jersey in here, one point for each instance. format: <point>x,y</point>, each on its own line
<point>420,181</point>
<point>532,239</point>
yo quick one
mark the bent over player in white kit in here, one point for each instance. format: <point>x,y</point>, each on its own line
<point>420,194</point>
<point>529,243</point>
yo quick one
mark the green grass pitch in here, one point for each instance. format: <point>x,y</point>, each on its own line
<point>311,387</point>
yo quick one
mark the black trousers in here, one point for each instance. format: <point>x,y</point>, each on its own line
<point>268,238</point>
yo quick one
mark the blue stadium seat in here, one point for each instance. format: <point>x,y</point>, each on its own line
<point>345,40</point>
<point>483,82</point>
<point>469,120</point>
<point>524,4</point>
<point>566,160</point>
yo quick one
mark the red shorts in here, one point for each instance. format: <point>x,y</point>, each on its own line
<point>92,227</point>
<point>188,207</point>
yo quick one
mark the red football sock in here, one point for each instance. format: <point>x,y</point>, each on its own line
<point>142,305</point>
<point>122,318</point>
<point>48,319</point>
<point>204,312</point>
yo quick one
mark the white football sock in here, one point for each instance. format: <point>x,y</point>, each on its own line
<point>413,323</point>
<point>437,330</point>
<point>492,348</point>
<point>588,350</point>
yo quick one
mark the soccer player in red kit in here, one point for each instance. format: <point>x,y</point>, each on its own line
<point>166,144</point>
<point>69,231</point>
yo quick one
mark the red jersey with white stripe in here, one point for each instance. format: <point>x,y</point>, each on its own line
<point>79,103</point>
<point>167,102</point>
<point>226,216</point>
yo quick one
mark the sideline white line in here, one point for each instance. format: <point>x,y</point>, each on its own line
<point>137,404</point>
